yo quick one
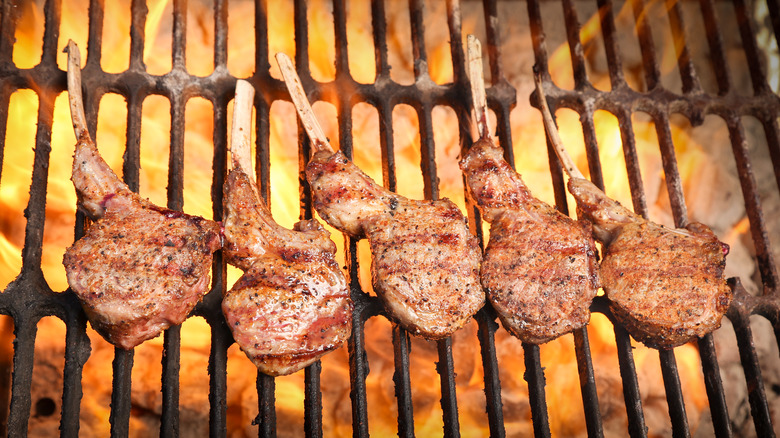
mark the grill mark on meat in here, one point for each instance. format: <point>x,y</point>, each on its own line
<point>292,304</point>
<point>425,262</point>
<point>353,203</point>
<point>665,285</point>
<point>540,268</point>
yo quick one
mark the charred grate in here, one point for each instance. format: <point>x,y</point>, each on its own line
<point>30,298</point>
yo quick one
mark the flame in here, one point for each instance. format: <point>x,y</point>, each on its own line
<point>17,164</point>
<point>29,34</point>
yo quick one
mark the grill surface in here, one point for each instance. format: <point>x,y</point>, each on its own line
<point>30,298</point>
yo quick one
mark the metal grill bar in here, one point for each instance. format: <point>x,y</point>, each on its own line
<point>674,394</point>
<point>120,396</point>
<point>756,392</point>
<point>29,298</point>
<point>588,384</point>
<point>534,375</point>
<point>636,416</point>
<point>714,386</point>
<point>487,340</point>
<point>502,99</point>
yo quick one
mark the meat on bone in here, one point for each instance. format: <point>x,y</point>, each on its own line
<point>425,261</point>
<point>292,304</point>
<point>665,285</point>
<point>540,267</point>
<point>139,268</point>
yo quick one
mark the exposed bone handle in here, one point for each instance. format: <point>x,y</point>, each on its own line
<point>301,102</point>
<point>552,133</point>
<point>240,134</point>
<point>477,80</point>
<point>74,90</point>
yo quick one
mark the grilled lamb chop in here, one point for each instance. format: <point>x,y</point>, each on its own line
<point>292,304</point>
<point>665,285</point>
<point>425,266</point>
<point>539,268</point>
<point>139,268</point>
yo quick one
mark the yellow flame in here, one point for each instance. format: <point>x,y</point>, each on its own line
<point>16,178</point>
<point>157,55</point>
<point>29,34</point>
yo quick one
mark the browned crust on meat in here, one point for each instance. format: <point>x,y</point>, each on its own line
<point>540,268</point>
<point>292,305</point>
<point>425,265</point>
<point>139,271</point>
<point>286,315</point>
<point>666,288</point>
<point>426,270</point>
<point>540,283</point>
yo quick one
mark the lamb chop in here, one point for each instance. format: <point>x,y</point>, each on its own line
<point>425,265</point>
<point>665,285</point>
<point>139,268</point>
<point>292,304</point>
<point>539,269</point>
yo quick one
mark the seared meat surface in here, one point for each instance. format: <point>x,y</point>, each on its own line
<point>140,268</point>
<point>539,269</point>
<point>425,262</point>
<point>425,265</point>
<point>665,285</point>
<point>292,304</point>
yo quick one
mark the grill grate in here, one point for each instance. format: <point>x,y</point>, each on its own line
<point>30,298</point>
<point>694,104</point>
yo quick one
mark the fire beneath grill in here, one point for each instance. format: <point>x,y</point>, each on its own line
<point>671,143</point>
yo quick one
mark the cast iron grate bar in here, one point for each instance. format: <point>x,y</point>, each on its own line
<point>693,105</point>
<point>120,394</point>
<point>714,387</point>
<point>588,384</point>
<point>501,98</point>
<point>756,392</point>
<point>401,379</point>
<point>608,29</point>
<point>645,35</point>
<point>401,341</point>
<point>77,352</point>
<point>690,81</point>
<point>312,420</point>
<point>28,298</point>
<point>674,395</point>
<point>169,421</point>
<point>266,399</point>
<point>487,341</point>
<point>534,375</point>
<point>312,402</point>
